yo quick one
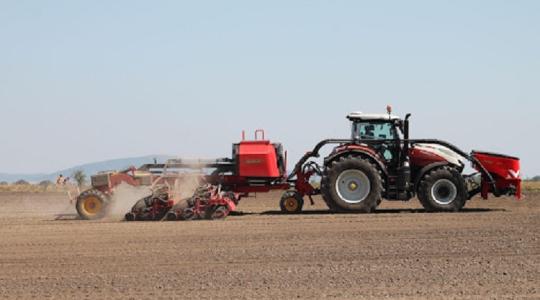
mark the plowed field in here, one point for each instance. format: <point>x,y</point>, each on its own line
<point>491,250</point>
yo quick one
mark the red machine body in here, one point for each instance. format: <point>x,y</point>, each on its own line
<point>259,166</point>
<point>504,169</point>
<point>258,159</point>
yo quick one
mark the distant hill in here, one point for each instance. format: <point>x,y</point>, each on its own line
<point>88,169</point>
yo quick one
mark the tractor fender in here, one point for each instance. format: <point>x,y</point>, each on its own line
<point>365,154</point>
<point>427,169</point>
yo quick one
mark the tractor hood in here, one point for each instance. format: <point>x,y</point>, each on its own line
<point>442,151</point>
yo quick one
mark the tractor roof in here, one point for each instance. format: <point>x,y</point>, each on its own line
<point>358,116</point>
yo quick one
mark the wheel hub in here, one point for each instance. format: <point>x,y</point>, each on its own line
<point>444,191</point>
<point>353,186</point>
<point>291,204</point>
<point>92,205</point>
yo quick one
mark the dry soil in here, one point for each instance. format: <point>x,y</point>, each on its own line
<point>491,250</point>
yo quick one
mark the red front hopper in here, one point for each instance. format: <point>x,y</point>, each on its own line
<point>260,158</point>
<point>505,171</point>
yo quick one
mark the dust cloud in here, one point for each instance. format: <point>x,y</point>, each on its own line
<point>123,199</point>
<point>125,196</point>
<point>185,186</point>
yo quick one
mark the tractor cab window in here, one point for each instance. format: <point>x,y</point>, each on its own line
<point>373,131</point>
<point>377,131</point>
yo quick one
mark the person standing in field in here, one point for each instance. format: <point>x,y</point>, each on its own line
<point>60,180</point>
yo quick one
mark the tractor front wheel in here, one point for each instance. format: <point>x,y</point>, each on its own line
<point>92,204</point>
<point>291,202</point>
<point>442,189</point>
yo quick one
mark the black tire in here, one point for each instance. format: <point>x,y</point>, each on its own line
<point>92,204</point>
<point>291,202</point>
<point>218,213</point>
<point>362,174</point>
<point>171,216</point>
<point>328,201</point>
<point>442,189</point>
<point>207,215</point>
<point>176,211</point>
<point>130,217</point>
<point>187,215</point>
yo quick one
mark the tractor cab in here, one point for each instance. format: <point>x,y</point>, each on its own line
<point>379,128</point>
<point>374,126</point>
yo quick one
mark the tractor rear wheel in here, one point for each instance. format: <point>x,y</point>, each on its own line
<point>442,189</point>
<point>291,202</point>
<point>329,202</point>
<point>352,184</point>
<point>92,204</point>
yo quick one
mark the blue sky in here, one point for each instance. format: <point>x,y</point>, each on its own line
<point>84,81</point>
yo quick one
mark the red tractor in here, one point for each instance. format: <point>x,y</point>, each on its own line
<point>379,161</point>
